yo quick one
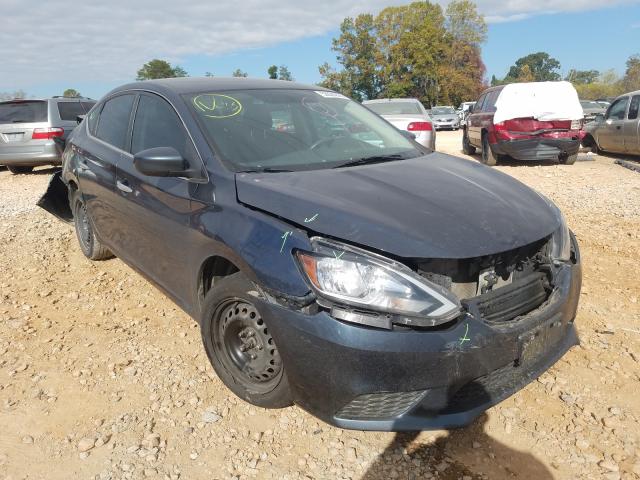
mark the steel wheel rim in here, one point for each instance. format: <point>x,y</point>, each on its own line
<point>245,346</point>
<point>83,228</point>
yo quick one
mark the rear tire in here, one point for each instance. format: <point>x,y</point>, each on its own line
<point>570,160</point>
<point>89,243</point>
<point>240,346</point>
<point>488,157</point>
<point>467,148</point>
<point>19,169</point>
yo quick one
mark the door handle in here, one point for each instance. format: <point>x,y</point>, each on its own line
<point>123,187</point>
<point>618,127</point>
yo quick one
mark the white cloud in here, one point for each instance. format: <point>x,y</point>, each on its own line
<point>62,40</point>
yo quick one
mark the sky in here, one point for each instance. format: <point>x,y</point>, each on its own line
<point>95,46</point>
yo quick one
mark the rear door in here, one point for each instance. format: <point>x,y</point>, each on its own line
<point>18,120</point>
<point>631,127</point>
<point>154,212</point>
<point>610,135</point>
<point>473,121</point>
<point>96,155</point>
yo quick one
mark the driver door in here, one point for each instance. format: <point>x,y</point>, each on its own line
<point>610,137</point>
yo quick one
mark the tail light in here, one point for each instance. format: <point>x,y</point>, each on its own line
<point>47,133</point>
<point>419,127</point>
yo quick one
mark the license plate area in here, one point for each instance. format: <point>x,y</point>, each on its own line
<point>13,136</point>
<point>535,344</point>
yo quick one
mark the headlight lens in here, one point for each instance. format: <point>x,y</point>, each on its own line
<point>561,242</point>
<point>352,276</point>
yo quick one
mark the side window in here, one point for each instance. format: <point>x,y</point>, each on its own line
<point>70,110</point>
<point>479,104</point>
<point>92,119</point>
<point>618,109</point>
<point>158,125</point>
<point>114,120</point>
<point>490,102</point>
<point>634,107</point>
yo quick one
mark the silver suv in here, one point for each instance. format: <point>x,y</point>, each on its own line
<point>28,129</point>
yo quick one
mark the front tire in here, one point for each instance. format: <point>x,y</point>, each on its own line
<point>15,169</point>
<point>488,157</point>
<point>240,346</point>
<point>89,243</point>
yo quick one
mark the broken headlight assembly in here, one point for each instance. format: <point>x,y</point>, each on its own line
<point>561,242</point>
<point>365,282</point>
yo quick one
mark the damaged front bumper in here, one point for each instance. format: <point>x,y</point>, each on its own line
<point>364,378</point>
<point>56,199</point>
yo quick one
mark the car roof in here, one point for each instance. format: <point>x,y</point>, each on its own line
<point>55,99</point>
<point>387,100</point>
<point>185,85</point>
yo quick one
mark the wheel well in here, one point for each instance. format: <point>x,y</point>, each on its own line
<point>588,141</point>
<point>213,269</point>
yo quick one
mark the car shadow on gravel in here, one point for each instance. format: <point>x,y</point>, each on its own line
<point>402,459</point>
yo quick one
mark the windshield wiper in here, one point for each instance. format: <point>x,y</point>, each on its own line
<point>369,160</point>
<point>265,169</point>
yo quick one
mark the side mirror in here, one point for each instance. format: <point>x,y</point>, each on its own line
<point>80,118</point>
<point>161,162</point>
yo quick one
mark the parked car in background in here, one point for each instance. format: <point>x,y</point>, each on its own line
<point>538,121</point>
<point>445,117</point>
<point>28,128</point>
<point>406,114</point>
<point>463,111</point>
<point>592,108</point>
<point>618,130</point>
<point>379,287</point>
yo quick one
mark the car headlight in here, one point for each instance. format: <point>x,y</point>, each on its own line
<point>561,242</point>
<point>355,277</point>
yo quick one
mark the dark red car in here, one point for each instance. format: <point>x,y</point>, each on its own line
<point>540,134</point>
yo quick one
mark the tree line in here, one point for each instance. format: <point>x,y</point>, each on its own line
<point>156,69</point>
<point>590,84</point>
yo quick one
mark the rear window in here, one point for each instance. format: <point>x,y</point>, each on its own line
<point>70,110</point>
<point>28,111</point>
<point>395,108</point>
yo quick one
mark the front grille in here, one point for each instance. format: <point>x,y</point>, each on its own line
<point>510,301</point>
<point>379,405</point>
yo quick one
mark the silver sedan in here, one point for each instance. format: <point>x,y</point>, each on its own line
<point>406,114</point>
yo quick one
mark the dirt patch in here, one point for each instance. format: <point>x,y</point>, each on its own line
<point>102,377</point>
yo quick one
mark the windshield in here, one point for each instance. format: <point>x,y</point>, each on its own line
<point>278,129</point>
<point>23,111</point>
<point>395,108</point>
<point>590,104</point>
<point>442,110</point>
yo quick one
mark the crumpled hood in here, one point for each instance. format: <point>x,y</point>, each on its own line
<point>436,206</point>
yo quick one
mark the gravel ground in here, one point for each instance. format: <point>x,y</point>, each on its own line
<point>102,377</point>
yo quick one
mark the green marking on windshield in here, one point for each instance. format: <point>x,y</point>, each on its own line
<point>336,255</point>
<point>309,220</point>
<point>216,105</point>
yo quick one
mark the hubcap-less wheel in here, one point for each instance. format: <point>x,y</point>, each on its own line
<point>83,229</point>
<point>245,347</point>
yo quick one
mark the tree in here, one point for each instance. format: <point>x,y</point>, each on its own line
<point>582,77</point>
<point>239,73</point>
<point>608,84</point>
<point>631,79</point>
<point>156,68</point>
<point>273,72</point>
<point>542,66</point>
<point>209,74</point>
<point>284,73</point>
<point>411,50</point>
<point>71,92</point>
